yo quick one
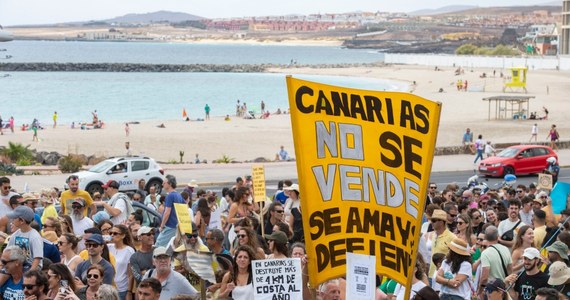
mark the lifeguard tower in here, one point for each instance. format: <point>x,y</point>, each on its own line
<point>518,79</point>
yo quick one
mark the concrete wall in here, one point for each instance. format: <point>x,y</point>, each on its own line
<point>446,60</point>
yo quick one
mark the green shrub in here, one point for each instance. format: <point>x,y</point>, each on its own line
<point>7,169</point>
<point>69,164</point>
<point>23,161</point>
<point>225,159</point>
<point>17,151</point>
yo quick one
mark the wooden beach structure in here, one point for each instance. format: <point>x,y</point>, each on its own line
<point>509,107</point>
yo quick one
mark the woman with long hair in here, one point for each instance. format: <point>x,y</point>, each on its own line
<point>67,244</point>
<point>202,217</point>
<point>122,248</point>
<point>293,212</point>
<point>277,245</point>
<point>57,275</point>
<point>238,283</point>
<point>248,237</point>
<point>94,281</point>
<point>239,209</point>
<point>455,274</point>
<point>464,230</point>
<point>523,240</point>
<point>66,224</point>
<point>53,224</point>
<point>105,226</point>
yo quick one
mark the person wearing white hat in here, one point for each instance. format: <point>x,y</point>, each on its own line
<point>525,285</point>
<point>560,277</point>
<point>456,273</point>
<point>173,283</point>
<point>293,212</point>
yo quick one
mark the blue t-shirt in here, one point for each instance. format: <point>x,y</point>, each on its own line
<point>12,290</point>
<point>108,275</point>
<point>171,198</point>
<point>52,252</point>
<point>281,197</point>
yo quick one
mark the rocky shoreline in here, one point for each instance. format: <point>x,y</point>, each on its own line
<point>129,67</point>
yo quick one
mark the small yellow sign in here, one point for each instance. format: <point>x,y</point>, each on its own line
<point>258,172</point>
<point>544,182</point>
<point>184,218</point>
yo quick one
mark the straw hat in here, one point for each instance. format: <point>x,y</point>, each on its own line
<point>559,273</point>
<point>193,183</point>
<point>439,214</point>
<point>459,246</point>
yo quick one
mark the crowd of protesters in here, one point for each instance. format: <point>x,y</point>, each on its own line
<point>480,243</point>
<point>475,243</point>
<point>74,245</point>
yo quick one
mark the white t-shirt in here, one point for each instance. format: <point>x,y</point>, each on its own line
<point>31,242</point>
<point>121,205</point>
<point>122,258</point>
<point>464,289</point>
<point>79,228</point>
<point>507,225</point>
<point>5,203</point>
<point>400,290</point>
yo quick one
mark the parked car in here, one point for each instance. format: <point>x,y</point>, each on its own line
<point>126,170</point>
<point>151,217</point>
<point>520,159</point>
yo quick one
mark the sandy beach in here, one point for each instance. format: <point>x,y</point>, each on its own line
<point>248,139</point>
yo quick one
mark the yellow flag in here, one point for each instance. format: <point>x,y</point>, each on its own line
<point>364,160</point>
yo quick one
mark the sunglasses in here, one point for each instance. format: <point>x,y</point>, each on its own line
<point>113,233</point>
<point>279,211</point>
<point>95,276</point>
<point>91,245</point>
<point>519,191</point>
<point>543,197</point>
<point>460,223</point>
<point>453,216</point>
<point>147,234</point>
<point>433,187</point>
<point>60,243</point>
<point>194,235</point>
<point>241,236</point>
<point>76,206</point>
<point>6,188</point>
<point>5,262</point>
<point>28,286</point>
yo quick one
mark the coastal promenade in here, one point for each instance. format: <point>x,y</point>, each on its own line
<point>225,174</point>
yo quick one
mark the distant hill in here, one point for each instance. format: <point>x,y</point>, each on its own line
<point>506,10</point>
<point>441,10</point>
<point>154,17</point>
<point>552,3</point>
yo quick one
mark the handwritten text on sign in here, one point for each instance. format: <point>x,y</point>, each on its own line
<point>277,279</point>
<point>364,158</point>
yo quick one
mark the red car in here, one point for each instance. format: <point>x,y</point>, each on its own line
<point>520,159</point>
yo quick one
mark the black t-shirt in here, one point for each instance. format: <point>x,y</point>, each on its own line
<point>526,285</point>
<point>564,289</point>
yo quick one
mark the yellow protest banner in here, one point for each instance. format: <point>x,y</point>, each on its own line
<point>184,218</point>
<point>258,172</point>
<point>364,160</point>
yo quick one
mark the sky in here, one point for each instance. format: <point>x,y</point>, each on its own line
<point>20,12</point>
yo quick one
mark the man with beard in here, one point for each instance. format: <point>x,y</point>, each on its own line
<point>5,195</point>
<point>67,197</point>
<point>80,222</point>
<point>35,285</point>
<point>512,223</point>
<point>173,283</point>
<point>531,279</point>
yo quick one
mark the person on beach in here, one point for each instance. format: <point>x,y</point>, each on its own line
<point>35,130</point>
<point>479,147</point>
<point>11,122</point>
<point>54,119</point>
<point>554,136</point>
<point>127,129</point>
<point>467,139</point>
<point>207,110</point>
<point>95,117</point>
<point>262,106</point>
<point>1,126</point>
<point>534,133</point>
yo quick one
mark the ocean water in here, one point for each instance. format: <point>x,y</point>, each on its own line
<point>158,96</point>
<point>183,53</point>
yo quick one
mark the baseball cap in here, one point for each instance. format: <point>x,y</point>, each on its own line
<point>95,237</point>
<point>79,201</point>
<point>293,187</point>
<point>495,285</point>
<point>144,230</point>
<point>111,184</point>
<point>278,236</point>
<point>531,253</point>
<point>24,212</point>
<point>159,251</point>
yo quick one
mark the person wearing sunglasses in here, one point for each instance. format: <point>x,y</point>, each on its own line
<point>67,244</point>
<point>5,194</point>
<point>276,214</point>
<point>440,237</point>
<point>35,285</point>
<point>13,258</point>
<point>94,281</point>
<point>59,278</point>
<point>122,248</point>
<point>95,244</point>
<point>141,260</point>
<point>496,290</point>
